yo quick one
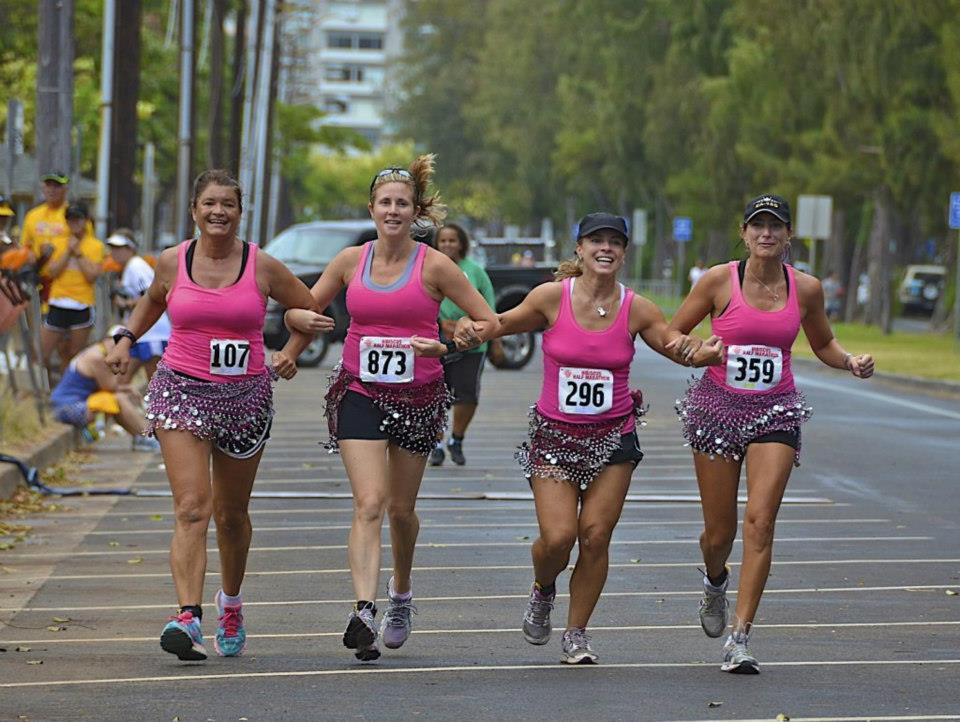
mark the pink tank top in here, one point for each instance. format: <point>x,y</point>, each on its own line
<point>217,333</point>
<point>586,374</point>
<point>382,320</point>
<point>757,343</point>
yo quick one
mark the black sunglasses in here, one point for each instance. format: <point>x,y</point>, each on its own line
<point>402,172</point>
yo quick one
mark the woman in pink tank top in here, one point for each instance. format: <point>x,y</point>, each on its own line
<point>387,401</point>
<point>583,446</point>
<point>210,402</point>
<point>749,409</point>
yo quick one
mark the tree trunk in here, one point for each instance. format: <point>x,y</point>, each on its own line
<point>54,114</point>
<point>878,264</point>
<point>215,150</point>
<point>124,194</point>
<point>236,93</point>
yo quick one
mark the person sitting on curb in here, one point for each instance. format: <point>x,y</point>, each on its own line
<point>89,387</point>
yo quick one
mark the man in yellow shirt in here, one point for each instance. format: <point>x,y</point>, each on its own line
<point>46,223</point>
<point>72,267</point>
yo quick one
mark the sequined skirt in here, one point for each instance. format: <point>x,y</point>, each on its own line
<point>230,413</point>
<point>414,416</point>
<point>719,422</point>
<point>575,453</point>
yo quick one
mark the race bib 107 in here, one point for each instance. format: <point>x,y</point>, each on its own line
<point>229,357</point>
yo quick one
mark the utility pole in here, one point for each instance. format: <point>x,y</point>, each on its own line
<point>185,133</point>
<point>264,97</point>
<point>126,91</point>
<point>106,118</point>
<point>253,36</point>
<point>54,113</point>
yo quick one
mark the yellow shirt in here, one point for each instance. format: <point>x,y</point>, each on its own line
<point>44,224</point>
<point>71,283</point>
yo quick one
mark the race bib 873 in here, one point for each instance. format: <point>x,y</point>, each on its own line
<point>754,368</point>
<point>386,360</point>
<point>229,357</point>
<point>585,391</point>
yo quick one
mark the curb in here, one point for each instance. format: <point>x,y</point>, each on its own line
<point>930,386</point>
<point>49,453</point>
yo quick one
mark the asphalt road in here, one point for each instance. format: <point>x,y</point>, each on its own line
<point>858,622</point>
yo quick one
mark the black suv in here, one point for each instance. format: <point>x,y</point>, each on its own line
<point>306,249</point>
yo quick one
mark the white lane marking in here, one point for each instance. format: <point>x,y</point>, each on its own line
<point>475,568</point>
<point>508,630</point>
<point>849,718</point>
<point>556,666</point>
<point>532,524</point>
<point>876,396</point>
<point>451,545</point>
<point>497,597</point>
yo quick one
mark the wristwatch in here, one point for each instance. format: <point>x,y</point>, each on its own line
<point>451,347</point>
<point>124,333</point>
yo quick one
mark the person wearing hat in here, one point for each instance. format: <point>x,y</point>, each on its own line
<point>583,445</point>
<point>46,223</point>
<point>6,216</point>
<point>72,267</point>
<point>749,410</point>
<point>135,279</point>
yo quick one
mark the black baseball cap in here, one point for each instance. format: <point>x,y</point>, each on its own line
<point>77,210</point>
<point>55,176</point>
<point>596,221</point>
<point>768,203</point>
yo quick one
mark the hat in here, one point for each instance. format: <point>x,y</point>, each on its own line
<point>118,240</point>
<point>5,209</point>
<point>768,203</point>
<point>76,210</point>
<point>596,221</point>
<point>55,176</point>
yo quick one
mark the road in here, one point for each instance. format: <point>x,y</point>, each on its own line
<point>858,620</point>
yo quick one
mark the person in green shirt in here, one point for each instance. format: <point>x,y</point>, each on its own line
<point>463,371</point>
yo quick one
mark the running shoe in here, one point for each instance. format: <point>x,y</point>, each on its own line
<point>575,648</point>
<point>713,607</point>
<point>456,452</point>
<point>536,618</point>
<point>361,634</point>
<point>736,657</point>
<point>231,637</point>
<point>437,456</point>
<point>145,443</point>
<point>183,638</point>
<point>397,622</point>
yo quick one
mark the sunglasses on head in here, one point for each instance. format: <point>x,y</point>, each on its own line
<point>402,172</point>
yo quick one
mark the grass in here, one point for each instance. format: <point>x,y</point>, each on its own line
<point>20,425</point>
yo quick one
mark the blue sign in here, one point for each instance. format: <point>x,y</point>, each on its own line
<point>682,229</point>
<point>955,210</point>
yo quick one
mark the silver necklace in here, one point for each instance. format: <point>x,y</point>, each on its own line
<point>776,296</point>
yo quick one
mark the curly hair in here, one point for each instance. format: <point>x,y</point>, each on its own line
<point>571,268</point>
<point>430,206</point>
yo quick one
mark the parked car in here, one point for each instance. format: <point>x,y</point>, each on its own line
<point>921,288</point>
<point>306,249</point>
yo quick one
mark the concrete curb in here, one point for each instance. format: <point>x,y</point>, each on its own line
<point>930,386</point>
<point>65,441</point>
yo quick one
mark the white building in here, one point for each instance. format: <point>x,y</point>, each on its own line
<point>346,61</point>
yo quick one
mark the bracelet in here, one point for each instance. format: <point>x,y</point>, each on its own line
<point>451,347</point>
<point>124,333</point>
<point>846,360</point>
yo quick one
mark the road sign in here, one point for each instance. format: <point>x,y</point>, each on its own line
<point>814,217</point>
<point>682,229</point>
<point>955,210</point>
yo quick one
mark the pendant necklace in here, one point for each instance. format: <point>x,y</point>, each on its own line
<point>776,296</point>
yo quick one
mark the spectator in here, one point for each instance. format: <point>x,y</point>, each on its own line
<point>89,386</point>
<point>135,278</point>
<point>72,267</point>
<point>46,225</point>
<point>832,295</point>
<point>695,272</point>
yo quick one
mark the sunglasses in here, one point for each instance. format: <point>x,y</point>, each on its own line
<point>402,172</point>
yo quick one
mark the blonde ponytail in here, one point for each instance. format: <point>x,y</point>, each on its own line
<point>571,268</point>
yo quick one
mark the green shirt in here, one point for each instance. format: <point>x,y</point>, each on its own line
<point>449,311</point>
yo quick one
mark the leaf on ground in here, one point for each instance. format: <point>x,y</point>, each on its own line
<point>783,717</point>
<point>951,593</point>
<point>714,704</point>
<point>634,561</point>
<point>62,620</point>
<point>156,517</point>
<point>56,628</point>
<point>34,661</point>
<point>523,538</point>
<point>23,649</point>
<point>114,543</point>
<point>307,465</point>
<point>135,560</point>
<point>4,546</point>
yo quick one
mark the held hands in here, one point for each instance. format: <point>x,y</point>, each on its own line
<point>428,347</point>
<point>693,351</point>
<point>860,365</point>
<point>306,321</point>
<point>285,366</point>
<point>467,334</point>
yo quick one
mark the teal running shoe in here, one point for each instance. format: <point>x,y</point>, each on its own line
<point>231,637</point>
<point>183,638</point>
